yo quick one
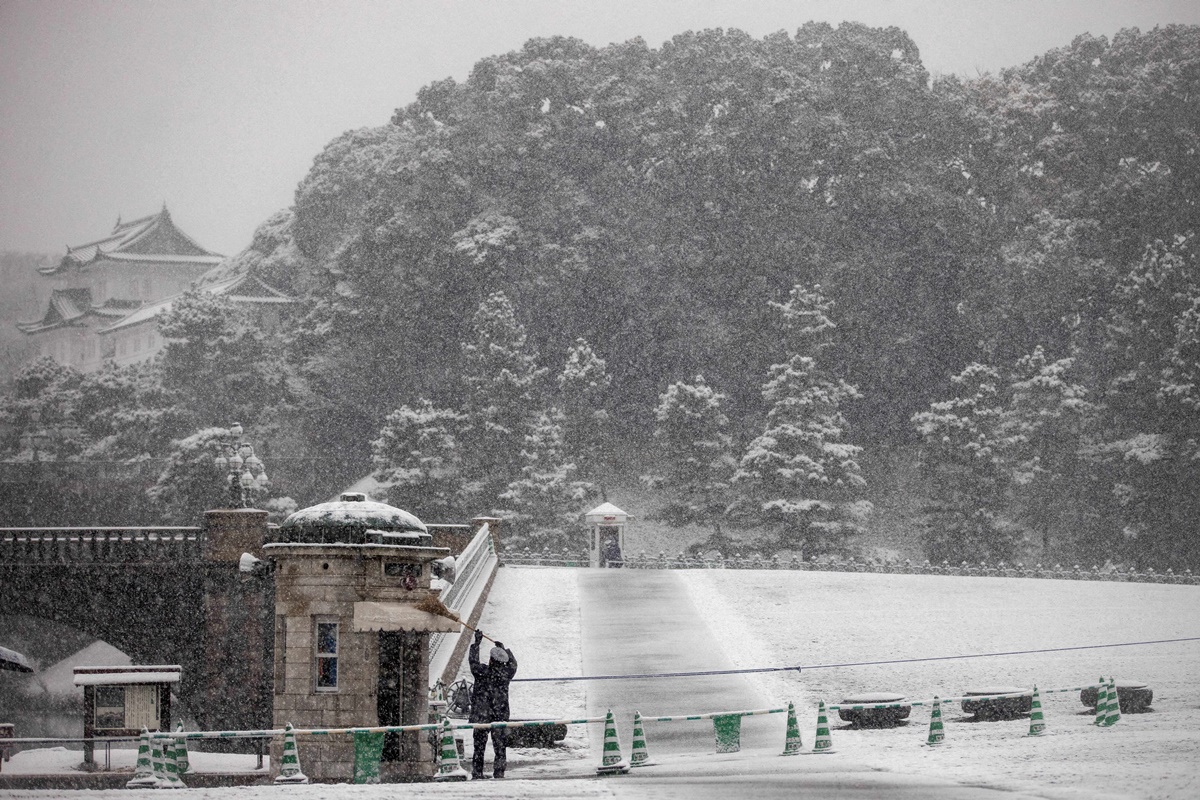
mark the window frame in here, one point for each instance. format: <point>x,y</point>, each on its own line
<point>320,656</point>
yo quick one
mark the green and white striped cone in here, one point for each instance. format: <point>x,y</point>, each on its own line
<point>171,767</point>
<point>639,756</point>
<point>143,771</point>
<point>1101,702</point>
<point>792,744</point>
<point>611,762</point>
<point>289,767</point>
<point>937,734</point>
<point>1037,723</point>
<point>1114,704</point>
<point>824,742</point>
<point>182,760</point>
<point>448,767</point>
<point>158,766</point>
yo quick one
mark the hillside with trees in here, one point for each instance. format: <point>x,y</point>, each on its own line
<point>753,272</point>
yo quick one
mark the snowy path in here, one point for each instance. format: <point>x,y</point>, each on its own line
<point>639,621</point>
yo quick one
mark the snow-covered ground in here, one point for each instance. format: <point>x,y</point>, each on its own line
<point>755,619</point>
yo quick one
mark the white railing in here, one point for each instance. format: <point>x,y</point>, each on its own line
<point>472,570</point>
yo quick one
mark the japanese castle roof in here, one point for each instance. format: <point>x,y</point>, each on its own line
<point>68,306</point>
<point>154,239</point>
<point>244,287</point>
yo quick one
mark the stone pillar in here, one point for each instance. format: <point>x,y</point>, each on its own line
<point>237,628</point>
<point>493,524</point>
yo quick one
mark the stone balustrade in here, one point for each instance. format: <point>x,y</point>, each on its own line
<point>577,558</point>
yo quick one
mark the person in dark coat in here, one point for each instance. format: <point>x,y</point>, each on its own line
<point>489,703</point>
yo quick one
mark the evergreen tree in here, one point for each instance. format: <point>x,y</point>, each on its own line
<point>1042,432</point>
<point>962,464</point>
<point>419,463</point>
<point>218,366</point>
<point>694,453</point>
<point>583,387</point>
<point>191,483</point>
<point>799,476</point>
<point>546,503</point>
<point>1147,456</point>
<point>503,389</point>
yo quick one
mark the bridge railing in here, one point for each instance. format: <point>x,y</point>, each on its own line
<point>100,545</point>
<point>473,569</point>
<point>568,558</point>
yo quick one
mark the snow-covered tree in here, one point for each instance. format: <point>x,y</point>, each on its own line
<point>1042,436</point>
<point>419,462</point>
<point>802,478</point>
<point>191,483</point>
<point>961,461</point>
<point>547,502</point>
<point>1148,454</point>
<point>583,388</point>
<point>217,366</point>
<point>503,392</point>
<point>694,453</point>
<point>799,476</point>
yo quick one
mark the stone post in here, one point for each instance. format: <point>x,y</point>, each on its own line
<point>237,625</point>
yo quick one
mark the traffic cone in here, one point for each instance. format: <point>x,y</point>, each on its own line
<point>448,767</point>
<point>638,755</point>
<point>289,768</point>
<point>1114,704</point>
<point>1037,724</point>
<point>1101,702</point>
<point>158,766</point>
<point>823,743</point>
<point>143,771</point>
<point>182,759</point>
<point>171,767</point>
<point>792,744</point>
<point>612,762</point>
<point>937,734</point>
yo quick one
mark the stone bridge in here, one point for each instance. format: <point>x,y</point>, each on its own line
<point>164,596</point>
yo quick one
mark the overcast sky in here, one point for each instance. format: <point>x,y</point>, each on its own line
<point>218,107</point>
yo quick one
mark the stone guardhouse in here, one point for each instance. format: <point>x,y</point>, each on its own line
<point>351,649</point>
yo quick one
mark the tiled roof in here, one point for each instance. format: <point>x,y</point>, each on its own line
<point>66,306</point>
<point>153,238</point>
<point>235,288</point>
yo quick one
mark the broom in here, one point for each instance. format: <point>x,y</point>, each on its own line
<point>430,604</point>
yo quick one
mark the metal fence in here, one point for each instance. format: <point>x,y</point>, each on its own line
<point>567,558</point>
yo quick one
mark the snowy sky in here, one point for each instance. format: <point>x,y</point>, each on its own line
<point>217,107</point>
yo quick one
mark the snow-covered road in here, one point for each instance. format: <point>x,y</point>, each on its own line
<point>640,622</point>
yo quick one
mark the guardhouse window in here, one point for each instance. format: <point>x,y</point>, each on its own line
<point>327,656</point>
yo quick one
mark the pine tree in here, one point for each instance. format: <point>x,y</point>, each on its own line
<point>1042,439</point>
<point>546,503</point>
<point>583,387</point>
<point>1148,455</point>
<point>418,461</point>
<point>502,390</point>
<point>191,483</point>
<point>695,454</point>
<point>805,481</point>
<point>962,462</point>
<point>798,475</point>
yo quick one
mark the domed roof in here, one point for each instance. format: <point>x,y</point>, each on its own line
<point>349,519</point>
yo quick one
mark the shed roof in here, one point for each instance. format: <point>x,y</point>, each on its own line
<point>127,675</point>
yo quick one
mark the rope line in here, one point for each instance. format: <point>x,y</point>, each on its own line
<point>801,667</point>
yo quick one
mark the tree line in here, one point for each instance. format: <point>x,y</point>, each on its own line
<point>1004,265</point>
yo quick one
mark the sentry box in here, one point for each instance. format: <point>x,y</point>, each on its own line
<point>608,535</point>
<point>120,701</point>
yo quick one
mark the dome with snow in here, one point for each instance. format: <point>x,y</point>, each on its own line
<point>353,519</point>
